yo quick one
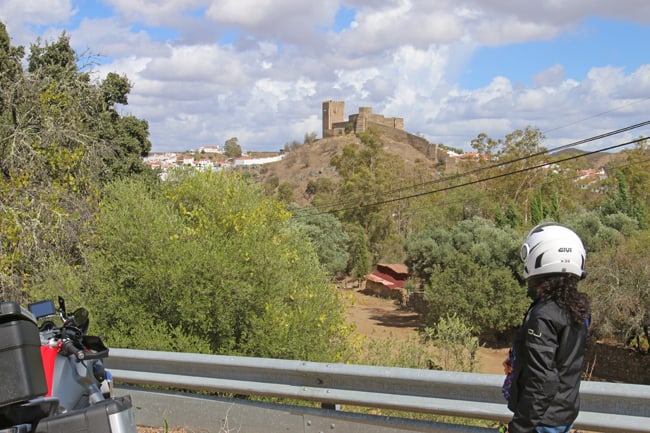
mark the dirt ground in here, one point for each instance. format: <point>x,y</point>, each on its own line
<point>378,317</point>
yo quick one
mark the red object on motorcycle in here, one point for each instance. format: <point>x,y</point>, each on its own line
<point>48,355</point>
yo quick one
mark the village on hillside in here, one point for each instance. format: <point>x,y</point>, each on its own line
<point>207,161</point>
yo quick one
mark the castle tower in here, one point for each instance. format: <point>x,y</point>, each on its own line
<point>333,112</point>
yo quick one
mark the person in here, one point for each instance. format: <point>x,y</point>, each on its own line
<point>545,363</point>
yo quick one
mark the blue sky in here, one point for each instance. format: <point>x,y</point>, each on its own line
<point>595,42</point>
<point>204,71</point>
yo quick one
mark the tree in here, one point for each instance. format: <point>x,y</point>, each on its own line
<point>54,160</point>
<point>484,145</point>
<point>359,263</point>
<point>285,192</point>
<point>331,243</point>
<point>366,171</point>
<point>513,216</point>
<point>11,71</point>
<point>537,213</point>
<point>55,59</point>
<point>622,201</point>
<point>515,159</point>
<point>618,281</point>
<point>115,90</point>
<point>206,263</point>
<point>231,148</point>
<point>310,137</point>
<point>471,269</point>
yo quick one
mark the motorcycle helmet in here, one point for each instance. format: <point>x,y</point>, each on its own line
<point>551,248</point>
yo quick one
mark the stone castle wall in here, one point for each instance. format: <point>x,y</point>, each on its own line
<point>334,124</point>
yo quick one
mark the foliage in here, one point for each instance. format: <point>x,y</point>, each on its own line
<point>330,241</point>
<point>450,345</point>
<point>622,201</point>
<point>456,343</point>
<point>366,172</point>
<point>231,148</point>
<point>359,261</point>
<point>472,270</point>
<point>54,158</point>
<point>619,285</point>
<point>594,233</point>
<point>285,192</point>
<point>185,268</point>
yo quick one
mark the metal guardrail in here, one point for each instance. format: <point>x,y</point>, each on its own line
<point>606,407</point>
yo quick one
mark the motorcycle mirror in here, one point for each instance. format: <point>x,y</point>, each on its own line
<point>80,316</point>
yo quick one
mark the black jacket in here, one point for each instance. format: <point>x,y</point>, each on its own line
<point>549,354</point>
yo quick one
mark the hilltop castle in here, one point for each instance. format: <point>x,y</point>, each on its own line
<point>334,124</point>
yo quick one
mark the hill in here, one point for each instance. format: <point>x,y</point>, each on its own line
<point>593,160</point>
<point>312,161</point>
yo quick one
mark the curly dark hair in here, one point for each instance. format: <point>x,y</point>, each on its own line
<point>563,290</point>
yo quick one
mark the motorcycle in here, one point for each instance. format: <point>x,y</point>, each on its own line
<point>52,377</point>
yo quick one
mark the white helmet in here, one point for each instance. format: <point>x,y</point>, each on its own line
<point>551,248</point>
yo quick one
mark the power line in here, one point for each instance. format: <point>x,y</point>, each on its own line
<point>486,179</point>
<point>412,211</point>
<point>490,167</point>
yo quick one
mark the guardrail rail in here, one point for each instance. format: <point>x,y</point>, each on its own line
<point>605,407</point>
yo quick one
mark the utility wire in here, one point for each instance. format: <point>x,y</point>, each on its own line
<point>493,166</point>
<point>415,210</point>
<point>486,179</point>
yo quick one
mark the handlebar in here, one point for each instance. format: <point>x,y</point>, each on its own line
<point>70,348</point>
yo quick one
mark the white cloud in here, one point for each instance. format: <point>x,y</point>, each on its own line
<point>401,57</point>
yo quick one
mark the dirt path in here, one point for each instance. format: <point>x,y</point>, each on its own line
<point>379,317</point>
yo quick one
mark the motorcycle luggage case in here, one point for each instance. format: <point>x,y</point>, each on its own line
<point>21,369</point>
<point>108,416</point>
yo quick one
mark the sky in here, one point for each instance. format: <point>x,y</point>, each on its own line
<point>204,71</point>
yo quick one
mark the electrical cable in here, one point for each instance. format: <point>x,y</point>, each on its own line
<point>497,165</point>
<point>486,179</point>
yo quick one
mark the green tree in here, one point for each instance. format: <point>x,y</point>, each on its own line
<point>115,90</point>
<point>231,148</point>
<point>285,192</point>
<point>622,201</point>
<point>208,260</point>
<point>359,263</point>
<point>513,216</point>
<point>517,180</point>
<point>618,281</point>
<point>53,163</point>
<point>10,72</point>
<point>473,270</point>
<point>367,171</point>
<point>484,145</point>
<point>55,59</point>
<point>537,213</point>
<point>330,241</point>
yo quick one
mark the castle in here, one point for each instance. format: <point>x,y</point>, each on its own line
<point>334,124</point>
